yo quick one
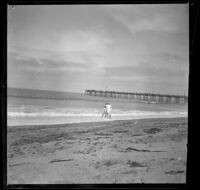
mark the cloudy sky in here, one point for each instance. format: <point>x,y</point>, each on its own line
<point>136,48</point>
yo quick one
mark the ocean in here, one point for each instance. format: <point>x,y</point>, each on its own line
<point>36,107</point>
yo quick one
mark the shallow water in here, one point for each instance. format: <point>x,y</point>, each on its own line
<point>43,107</point>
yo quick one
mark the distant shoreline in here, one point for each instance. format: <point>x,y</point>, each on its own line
<point>39,90</point>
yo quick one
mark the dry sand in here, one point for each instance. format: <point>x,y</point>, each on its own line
<point>129,151</point>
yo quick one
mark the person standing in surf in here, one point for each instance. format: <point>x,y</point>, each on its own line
<point>105,114</point>
<point>108,110</point>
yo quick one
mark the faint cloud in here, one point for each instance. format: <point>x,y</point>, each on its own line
<point>44,64</point>
<point>86,46</point>
<point>172,61</point>
<point>159,18</point>
<point>145,72</point>
<point>84,41</point>
<point>79,46</point>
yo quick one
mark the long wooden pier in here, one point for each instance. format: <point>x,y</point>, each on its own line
<point>141,97</point>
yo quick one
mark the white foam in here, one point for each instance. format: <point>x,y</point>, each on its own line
<point>117,114</point>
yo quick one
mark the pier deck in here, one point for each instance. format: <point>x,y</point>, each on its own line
<point>147,97</point>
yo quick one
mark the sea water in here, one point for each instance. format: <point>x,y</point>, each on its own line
<point>35,107</point>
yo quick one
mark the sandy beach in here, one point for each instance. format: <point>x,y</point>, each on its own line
<point>126,151</point>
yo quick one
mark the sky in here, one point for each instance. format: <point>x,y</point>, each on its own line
<point>130,48</point>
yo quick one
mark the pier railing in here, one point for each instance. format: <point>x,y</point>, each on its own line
<point>141,97</point>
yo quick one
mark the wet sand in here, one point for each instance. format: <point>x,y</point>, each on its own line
<point>126,151</point>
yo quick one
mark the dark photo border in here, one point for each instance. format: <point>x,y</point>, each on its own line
<point>194,33</point>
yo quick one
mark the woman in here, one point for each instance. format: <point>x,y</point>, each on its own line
<point>105,114</point>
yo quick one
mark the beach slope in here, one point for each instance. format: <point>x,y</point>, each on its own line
<point>126,151</point>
